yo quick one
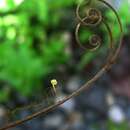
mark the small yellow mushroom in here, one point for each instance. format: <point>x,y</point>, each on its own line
<point>54,83</point>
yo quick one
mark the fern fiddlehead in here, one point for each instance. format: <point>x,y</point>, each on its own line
<point>93,18</point>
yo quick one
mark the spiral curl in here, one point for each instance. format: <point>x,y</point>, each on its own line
<point>94,18</point>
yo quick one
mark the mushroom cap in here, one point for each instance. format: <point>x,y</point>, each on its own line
<point>54,82</point>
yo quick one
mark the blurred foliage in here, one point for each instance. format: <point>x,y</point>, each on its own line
<point>32,44</point>
<point>110,125</point>
<point>120,126</point>
<point>28,52</point>
<point>123,12</point>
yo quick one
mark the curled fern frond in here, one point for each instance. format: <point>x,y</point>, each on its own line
<point>93,18</point>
